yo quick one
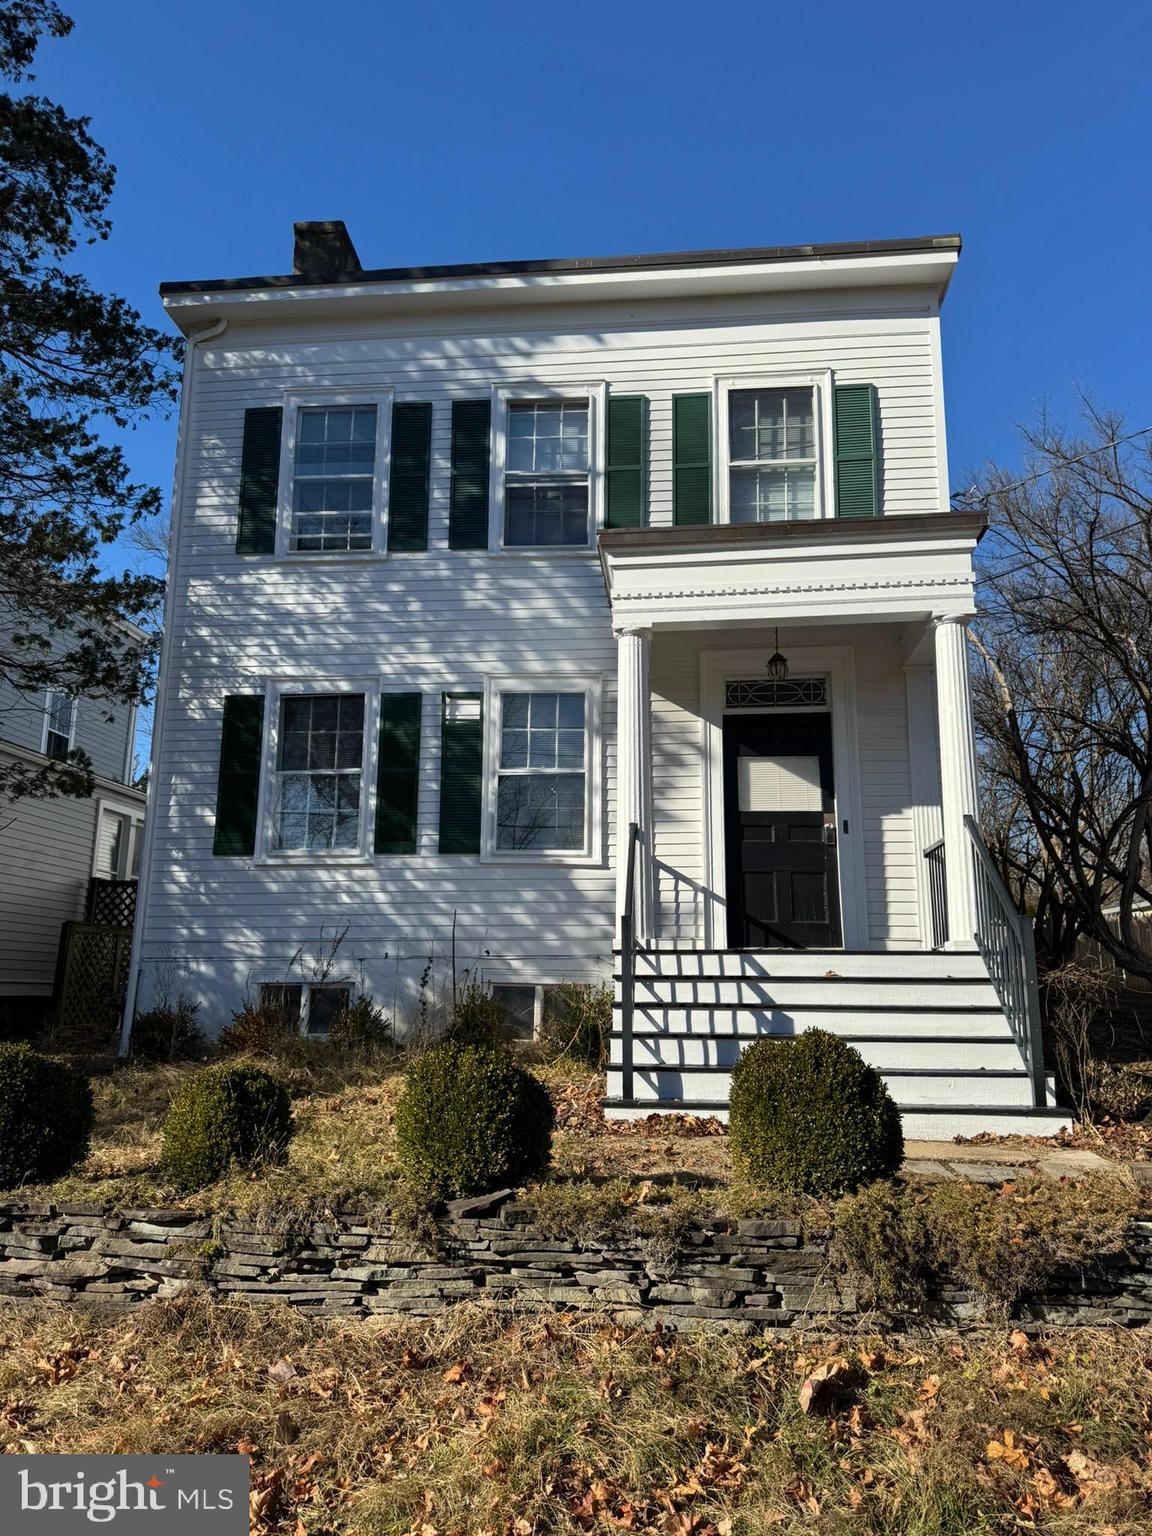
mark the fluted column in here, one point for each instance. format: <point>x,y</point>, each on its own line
<point>958,791</point>
<point>634,772</point>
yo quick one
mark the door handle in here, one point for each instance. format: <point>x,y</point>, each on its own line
<point>829,831</point>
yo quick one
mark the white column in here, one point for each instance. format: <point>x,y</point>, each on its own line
<point>634,771</point>
<point>957,774</point>
<point>924,772</point>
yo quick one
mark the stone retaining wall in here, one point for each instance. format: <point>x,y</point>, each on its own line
<point>735,1274</point>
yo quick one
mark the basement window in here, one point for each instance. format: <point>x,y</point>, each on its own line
<point>311,1006</point>
<point>526,1005</point>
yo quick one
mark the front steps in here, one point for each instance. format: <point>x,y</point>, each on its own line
<point>930,1024</point>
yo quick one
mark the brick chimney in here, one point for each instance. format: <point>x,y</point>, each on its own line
<point>323,249</point>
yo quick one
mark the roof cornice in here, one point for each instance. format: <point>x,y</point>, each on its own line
<point>926,262</point>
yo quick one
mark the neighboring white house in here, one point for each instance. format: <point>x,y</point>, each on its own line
<point>475,566</point>
<point>50,850</point>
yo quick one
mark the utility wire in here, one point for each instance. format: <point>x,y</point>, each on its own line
<point>1002,490</point>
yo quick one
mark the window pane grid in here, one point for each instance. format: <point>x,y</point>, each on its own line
<point>319,767</point>
<point>334,478</point>
<point>546,473</point>
<point>772,454</point>
<point>540,791</point>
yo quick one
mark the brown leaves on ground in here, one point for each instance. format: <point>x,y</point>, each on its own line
<point>480,1424</point>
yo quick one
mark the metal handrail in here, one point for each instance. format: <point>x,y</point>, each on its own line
<point>937,892</point>
<point>628,962</point>
<point>1005,939</point>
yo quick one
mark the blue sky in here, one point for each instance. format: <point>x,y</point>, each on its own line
<point>473,131</point>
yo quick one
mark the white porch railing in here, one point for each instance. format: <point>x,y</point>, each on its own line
<point>1005,939</point>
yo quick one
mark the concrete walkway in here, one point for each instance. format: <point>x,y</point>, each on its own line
<point>994,1164</point>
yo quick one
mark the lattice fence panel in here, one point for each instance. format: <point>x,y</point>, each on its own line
<point>93,978</point>
<point>112,901</point>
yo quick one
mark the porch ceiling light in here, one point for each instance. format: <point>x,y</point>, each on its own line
<point>777,667</point>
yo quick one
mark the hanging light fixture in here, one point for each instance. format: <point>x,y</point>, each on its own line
<point>777,667</point>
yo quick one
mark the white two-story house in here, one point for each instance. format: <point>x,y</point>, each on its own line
<point>476,568</point>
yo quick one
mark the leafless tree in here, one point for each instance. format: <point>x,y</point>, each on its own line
<point>1063,682</point>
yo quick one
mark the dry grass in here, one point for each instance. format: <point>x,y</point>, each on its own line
<point>343,1147</point>
<point>481,1423</point>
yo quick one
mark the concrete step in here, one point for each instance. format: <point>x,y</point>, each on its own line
<point>913,1088</point>
<point>883,965</point>
<point>905,1053</point>
<point>812,992</point>
<point>960,1022</point>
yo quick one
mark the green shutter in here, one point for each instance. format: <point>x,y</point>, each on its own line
<point>856,434</point>
<point>461,767</point>
<point>691,459</point>
<point>411,457</point>
<point>468,509</point>
<point>259,481</point>
<point>625,461</point>
<point>238,783</point>
<point>398,773</point>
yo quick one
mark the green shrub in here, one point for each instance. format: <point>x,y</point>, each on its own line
<point>45,1116</point>
<point>170,1033</point>
<point>810,1115</point>
<point>223,1118</point>
<point>260,1031</point>
<point>578,1023</point>
<point>361,1027</point>
<point>470,1120</point>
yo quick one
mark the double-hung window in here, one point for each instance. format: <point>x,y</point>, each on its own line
<point>542,801</point>
<point>772,458</point>
<point>336,480</point>
<point>319,771</point>
<point>547,473</point>
<point>59,724</point>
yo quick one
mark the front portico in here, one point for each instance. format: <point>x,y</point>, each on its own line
<point>870,616</point>
<point>806,848</point>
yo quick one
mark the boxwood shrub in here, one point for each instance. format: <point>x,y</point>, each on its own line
<point>45,1116</point>
<point>470,1120</point>
<point>809,1115</point>
<point>223,1118</point>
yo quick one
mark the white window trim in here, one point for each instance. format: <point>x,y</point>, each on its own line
<point>48,692</point>
<point>275,690</point>
<point>305,986</point>
<point>502,396</point>
<point>593,852</point>
<point>820,382</point>
<point>105,804</point>
<point>293,404</point>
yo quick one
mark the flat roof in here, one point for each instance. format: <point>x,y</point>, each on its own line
<point>668,260</point>
<point>796,530</point>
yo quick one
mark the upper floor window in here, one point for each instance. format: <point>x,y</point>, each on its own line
<point>772,457</point>
<point>546,470</point>
<point>319,772</point>
<point>59,724</point>
<point>334,478</point>
<point>542,777</point>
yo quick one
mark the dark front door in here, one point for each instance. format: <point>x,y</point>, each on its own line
<point>780,832</point>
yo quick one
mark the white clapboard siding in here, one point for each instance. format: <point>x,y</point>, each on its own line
<point>45,861</point>
<point>447,619</point>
